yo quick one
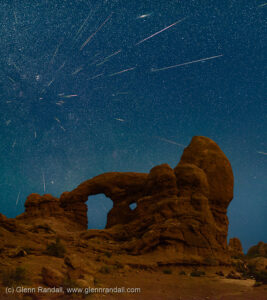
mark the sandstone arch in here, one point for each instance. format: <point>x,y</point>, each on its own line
<point>122,188</point>
<point>184,207</point>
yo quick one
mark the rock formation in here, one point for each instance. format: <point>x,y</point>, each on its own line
<point>185,206</point>
<point>258,250</point>
<point>182,210</point>
<point>235,248</point>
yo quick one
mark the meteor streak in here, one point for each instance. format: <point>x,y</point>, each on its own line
<point>69,96</point>
<point>123,71</point>
<point>80,29</point>
<point>43,180</point>
<point>93,34</point>
<point>77,71</point>
<point>144,16</point>
<point>17,198</point>
<point>55,53</point>
<point>96,76</point>
<point>186,63</point>
<point>108,57</point>
<point>170,142</point>
<point>158,32</point>
<point>263,153</point>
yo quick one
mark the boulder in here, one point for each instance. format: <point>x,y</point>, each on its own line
<point>220,273</point>
<point>74,261</point>
<point>52,277</point>
<point>258,263</point>
<point>86,281</point>
<point>233,275</point>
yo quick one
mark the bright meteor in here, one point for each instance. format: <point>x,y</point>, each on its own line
<point>158,32</point>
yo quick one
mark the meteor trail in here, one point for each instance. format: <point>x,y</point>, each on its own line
<point>77,71</point>
<point>151,36</point>
<point>186,63</point>
<point>83,24</point>
<point>43,180</point>
<point>55,53</point>
<point>69,96</point>
<point>17,198</point>
<point>15,17</point>
<point>61,67</point>
<point>107,58</point>
<point>144,16</point>
<point>93,34</point>
<point>62,128</point>
<point>11,79</point>
<point>123,71</point>
<point>50,82</point>
<point>170,142</point>
<point>96,76</point>
<point>263,153</point>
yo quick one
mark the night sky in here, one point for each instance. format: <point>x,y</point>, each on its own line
<point>84,90</point>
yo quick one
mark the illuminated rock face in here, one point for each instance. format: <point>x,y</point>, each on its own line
<point>182,208</point>
<point>185,206</point>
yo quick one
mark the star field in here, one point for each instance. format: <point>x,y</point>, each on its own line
<point>88,87</point>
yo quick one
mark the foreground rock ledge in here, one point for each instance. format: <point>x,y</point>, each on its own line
<point>180,211</point>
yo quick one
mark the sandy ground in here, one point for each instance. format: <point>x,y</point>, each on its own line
<point>159,286</point>
<point>156,285</point>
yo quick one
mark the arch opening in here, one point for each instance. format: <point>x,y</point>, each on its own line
<point>98,207</point>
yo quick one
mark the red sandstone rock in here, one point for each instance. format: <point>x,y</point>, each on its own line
<point>8,224</point>
<point>235,247</point>
<point>258,250</point>
<point>122,188</point>
<point>185,206</point>
<point>51,277</point>
<point>258,263</point>
<point>183,209</point>
<point>42,206</point>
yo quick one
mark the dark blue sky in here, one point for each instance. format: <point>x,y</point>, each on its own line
<point>66,115</point>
